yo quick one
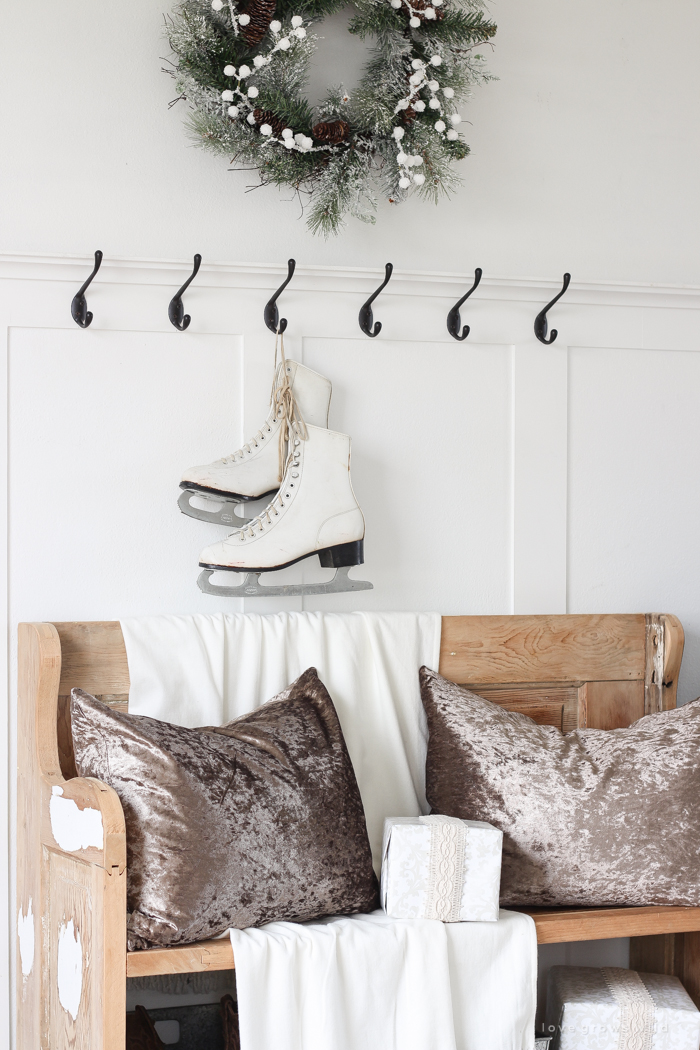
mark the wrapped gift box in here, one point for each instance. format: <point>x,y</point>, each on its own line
<point>441,868</point>
<point>614,1009</point>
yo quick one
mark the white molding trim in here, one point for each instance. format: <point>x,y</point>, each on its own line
<point>17,266</point>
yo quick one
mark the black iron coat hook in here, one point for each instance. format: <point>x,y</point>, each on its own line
<point>176,310</point>
<point>366,318</point>
<point>271,314</point>
<point>541,319</point>
<point>78,308</point>
<point>454,321</point>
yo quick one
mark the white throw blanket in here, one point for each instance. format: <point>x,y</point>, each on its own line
<point>364,982</point>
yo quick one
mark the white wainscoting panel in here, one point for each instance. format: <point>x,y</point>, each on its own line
<point>497,475</point>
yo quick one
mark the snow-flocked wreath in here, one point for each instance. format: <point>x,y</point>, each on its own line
<point>243,66</point>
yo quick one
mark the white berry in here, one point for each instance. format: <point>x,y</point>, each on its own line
<point>297,21</point>
<point>429,13</point>
<point>419,179</point>
<point>437,3</point>
<point>436,60</point>
<point>415,78</point>
<point>448,92</point>
<point>433,85</point>
<point>217,4</point>
<point>250,118</point>
<point>229,71</point>
<point>244,72</point>
<point>287,133</point>
<point>416,63</point>
<point>275,26</point>
<point>401,157</point>
<point>452,135</point>
<point>284,44</point>
<point>396,4</point>
<point>414,22</point>
<point>308,142</point>
<point>419,106</point>
<point>300,34</point>
<point>244,19</point>
<point>258,61</point>
<point>455,119</point>
<point>233,111</point>
<point>402,104</point>
<point>440,125</point>
<point>289,143</point>
<point>434,104</point>
<point>227,96</point>
<point>265,129</point>
<point>253,92</point>
<point>416,161</point>
<point>399,134</point>
<point>404,183</point>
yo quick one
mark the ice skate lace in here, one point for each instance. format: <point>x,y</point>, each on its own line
<point>275,506</point>
<point>283,407</point>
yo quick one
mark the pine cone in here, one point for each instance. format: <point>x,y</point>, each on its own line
<point>333,131</point>
<point>261,14</point>
<point>419,7</point>
<point>266,116</point>
<point>408,115</point>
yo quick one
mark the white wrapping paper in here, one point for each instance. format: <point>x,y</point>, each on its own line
<point>616,1009</point>
<point>441,868</point>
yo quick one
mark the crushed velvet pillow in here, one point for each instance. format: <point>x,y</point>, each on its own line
<point>255,821</point>
<point>592,817</point>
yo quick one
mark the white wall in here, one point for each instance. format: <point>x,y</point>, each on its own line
<point>496,475</point>
<point>585,152</point>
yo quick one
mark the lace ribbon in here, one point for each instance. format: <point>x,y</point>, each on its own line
<point>285,408</point>
<point>448,841</point>
<point>636,1008</point>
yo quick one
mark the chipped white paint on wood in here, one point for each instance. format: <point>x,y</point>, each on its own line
<point>25,934</point>
<point>70,969</point>
<point>74,828</point>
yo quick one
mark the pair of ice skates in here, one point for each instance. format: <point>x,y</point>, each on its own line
<point>304,469</point>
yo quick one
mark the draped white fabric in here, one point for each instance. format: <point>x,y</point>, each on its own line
<point>371,982</point>
<point>366,982</point>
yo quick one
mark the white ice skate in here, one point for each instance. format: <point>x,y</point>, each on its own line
<point>314,512</point>
<point>210,492</point>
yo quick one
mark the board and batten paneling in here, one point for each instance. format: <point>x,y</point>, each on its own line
<point>497,475</point>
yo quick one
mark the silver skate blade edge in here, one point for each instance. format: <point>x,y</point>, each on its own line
<point>225,516</point>
<point>252,588</point>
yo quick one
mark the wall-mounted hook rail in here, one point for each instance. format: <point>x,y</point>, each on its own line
<point>176,310</point>
<point>541,319</point>
<point>271,314</point>
<point>78,308</point>
<point>454,321</point>
<point>366,318</point>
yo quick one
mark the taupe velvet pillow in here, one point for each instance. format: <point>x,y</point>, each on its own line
<point>593,817</point>
<point>236,826</point>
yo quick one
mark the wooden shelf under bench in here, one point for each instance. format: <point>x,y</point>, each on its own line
<point>554,926</point>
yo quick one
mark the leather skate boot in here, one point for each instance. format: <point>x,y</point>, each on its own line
<point>255,471</point>
<point>314,512</point>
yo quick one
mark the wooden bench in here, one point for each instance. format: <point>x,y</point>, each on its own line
<point>597,671</point>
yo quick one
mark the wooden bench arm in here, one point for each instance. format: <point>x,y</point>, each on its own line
<point>84,818</point>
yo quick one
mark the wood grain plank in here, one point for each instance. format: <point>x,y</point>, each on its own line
<point>93,657</point>
<point>539,648</point>
<point>190,958</point>
<point>557,926</point>
<point>614,705</point>
<point>547,703</point>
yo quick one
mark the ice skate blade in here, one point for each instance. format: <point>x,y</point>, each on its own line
<point>252,588</point>
<point>224,516</point>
